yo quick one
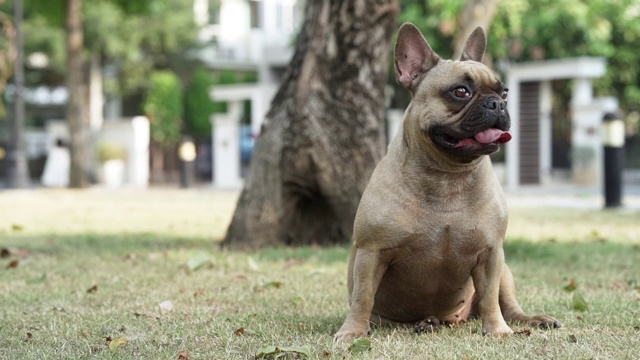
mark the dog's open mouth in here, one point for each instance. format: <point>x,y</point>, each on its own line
<point>481,143</point>
<point>485,137</point>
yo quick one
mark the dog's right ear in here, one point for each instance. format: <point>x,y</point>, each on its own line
<point>413,56</point>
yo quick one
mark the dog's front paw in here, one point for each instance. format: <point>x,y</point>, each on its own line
<point>497,330</point>
<point>349,331</point>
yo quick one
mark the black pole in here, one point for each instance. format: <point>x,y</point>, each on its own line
<point>17,156</point>
<point>613,140</point>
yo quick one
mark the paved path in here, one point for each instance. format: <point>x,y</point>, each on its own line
<point>567,196</point>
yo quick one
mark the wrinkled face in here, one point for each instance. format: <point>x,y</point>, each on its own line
<point>466,116</point>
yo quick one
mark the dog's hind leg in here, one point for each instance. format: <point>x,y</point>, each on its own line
<point>511,310</point>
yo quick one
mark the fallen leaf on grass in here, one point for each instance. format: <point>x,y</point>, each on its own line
<point>17,227</point>
<point>94,348</point>
<point>28,337</point>
<point>325,353</point>
<point>6,252</point>
<point>166,307</point>
<point>289,264</point>
<point>360,345</point>
<point>578,303</point>
<point>252,264</point>
<point>197,262</point>
<point>276,351</point>
<point>92,289</point>
<point>525,332</point>
<point>147,314</point>
<point>275,284</point>
<point>117,343</point>
<point>573,338</point>
<point>242,332</point>
<point>183,355</point>
<point>570,287</point>
<point>637,327</point>
<point>13,264</point>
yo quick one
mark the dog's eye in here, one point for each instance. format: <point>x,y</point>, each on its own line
<point>504,94</point>
<point>461,92</point>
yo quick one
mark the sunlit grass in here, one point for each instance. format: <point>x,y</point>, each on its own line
<point>95,265</point>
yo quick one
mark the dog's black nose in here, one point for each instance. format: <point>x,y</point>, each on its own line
<point>495,104</point>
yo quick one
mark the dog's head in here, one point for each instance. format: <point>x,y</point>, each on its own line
<point>457,107</point>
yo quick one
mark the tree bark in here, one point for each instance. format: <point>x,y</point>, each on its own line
<point>77,107</point>
<point>474,13</point>
<point>324,133</point>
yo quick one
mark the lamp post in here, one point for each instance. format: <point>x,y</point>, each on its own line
<point>17,155</point>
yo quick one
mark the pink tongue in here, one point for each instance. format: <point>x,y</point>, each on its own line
<point>492,135</point>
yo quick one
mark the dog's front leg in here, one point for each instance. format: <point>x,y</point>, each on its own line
<point>368,269</point>
<point>486,280</point>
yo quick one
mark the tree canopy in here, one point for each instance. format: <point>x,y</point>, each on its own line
<point>525,30</point>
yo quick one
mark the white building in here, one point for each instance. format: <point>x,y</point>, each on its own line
<point>244,35</point>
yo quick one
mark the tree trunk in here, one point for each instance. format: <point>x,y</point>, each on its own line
<point>77,108</point>
<point>324,133</point>
<point>474,13</point>
<point>17,156</point>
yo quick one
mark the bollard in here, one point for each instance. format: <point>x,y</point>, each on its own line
<point>187,154</point>
<point>613,141</point>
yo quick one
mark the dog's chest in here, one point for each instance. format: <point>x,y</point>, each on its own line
<point>451,249</point>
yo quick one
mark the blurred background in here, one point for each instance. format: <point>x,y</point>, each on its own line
<point>137,86</point>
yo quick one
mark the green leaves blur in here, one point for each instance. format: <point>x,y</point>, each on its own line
<point>525,30</point>
<point>163,107</point>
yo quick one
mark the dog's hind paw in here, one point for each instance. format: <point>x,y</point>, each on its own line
<point>430,324</point>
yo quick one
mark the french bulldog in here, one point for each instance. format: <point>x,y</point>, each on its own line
<point>429,230</point>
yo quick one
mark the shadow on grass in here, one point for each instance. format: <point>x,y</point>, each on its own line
<point>516,250</point>
<point>112,244</point>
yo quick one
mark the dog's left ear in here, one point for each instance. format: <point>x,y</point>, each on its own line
<point>475,46</point>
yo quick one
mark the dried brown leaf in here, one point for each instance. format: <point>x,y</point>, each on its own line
<point>92,289</point>
<point>239,331</point>
<point>13,264</point>
<point>28,336</point>
<point>573,338</point>
<point>147,314</point>
<point>289,264</point>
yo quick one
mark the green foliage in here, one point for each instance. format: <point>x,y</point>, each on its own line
<point>163,107</point>
<point>136,36</point>
<point>198,106</point>
<point>525,30</point>
<point>109,151</point>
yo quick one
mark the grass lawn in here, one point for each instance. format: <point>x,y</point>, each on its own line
<point>138,275</point>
